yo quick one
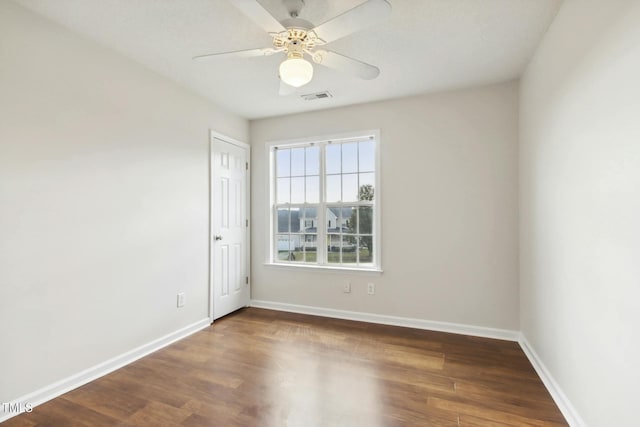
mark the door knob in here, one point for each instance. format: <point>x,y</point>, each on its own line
<point>218,237</point>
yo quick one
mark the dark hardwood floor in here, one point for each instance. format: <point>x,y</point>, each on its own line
<point>267,368</point>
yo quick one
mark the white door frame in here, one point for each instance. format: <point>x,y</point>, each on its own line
<point>216,135</point>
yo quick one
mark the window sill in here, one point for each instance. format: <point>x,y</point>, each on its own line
<point>324,269</point>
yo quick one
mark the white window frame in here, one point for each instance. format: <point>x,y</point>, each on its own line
<point>321,263</point>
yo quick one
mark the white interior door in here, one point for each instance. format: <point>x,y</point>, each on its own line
<point>229,225</point>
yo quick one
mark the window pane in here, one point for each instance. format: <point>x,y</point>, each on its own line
<point>350,220</point>
<point>297,256</point>
<point>313,161</point>
<point>283,162</point>
<point>345,218</point>
<point>366,156</point>
<point>367,181</point>
<point>310,247</point>
<point>350,158</point>
<point>332,160</point>
<point>297,252</point>
<point>366,249</point>
<point>285,247</point>
<point>333,220</point>
<point>349,252</point>
<point>333,188</point>
<point>313,189</point>
<point>365,220</point>
<point>283,190</point>
<point>295,220</point>
<point>333,248</point>
<point>310,220</point>
<point>297,190</point>
<point>297,162</point>
<point>350,187</point>
<point>311,213</point>
<point>284,223</point>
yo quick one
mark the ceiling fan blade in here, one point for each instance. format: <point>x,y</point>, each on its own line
<point>248,53</point>
<point>259,15</point>
<point>362,16</point>
<point>286,90</point>
<point>344,63</point>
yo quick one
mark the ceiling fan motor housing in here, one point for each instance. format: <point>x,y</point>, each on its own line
<point>296,41</point>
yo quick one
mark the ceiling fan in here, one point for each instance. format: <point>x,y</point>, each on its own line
<point>297,38</point>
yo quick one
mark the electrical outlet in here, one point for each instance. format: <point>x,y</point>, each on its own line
<point>371,288</point>
<point>347,288</point>
<point>181,299</point>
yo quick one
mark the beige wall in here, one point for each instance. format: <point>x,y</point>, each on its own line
<point>103,203</point>
<point>449,209</point>
<point>580,207</point>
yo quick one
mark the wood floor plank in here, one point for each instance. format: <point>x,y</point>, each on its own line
<point>267,368</point>
<point>471,421</point>
<point>159,414</point>
<point>119,406</point>
<point>488,413</point>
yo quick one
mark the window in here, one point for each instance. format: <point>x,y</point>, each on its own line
<point>324,203</point>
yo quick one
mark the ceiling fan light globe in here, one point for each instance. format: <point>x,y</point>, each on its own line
<point>296,72</point>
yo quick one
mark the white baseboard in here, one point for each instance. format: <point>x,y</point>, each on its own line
<point>455,328</point>
<point>565,406</point>
<point>67,384</point>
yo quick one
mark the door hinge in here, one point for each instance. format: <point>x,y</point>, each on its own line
<point>246,165</point>
<point>247,280</point>
<point>247,221</point>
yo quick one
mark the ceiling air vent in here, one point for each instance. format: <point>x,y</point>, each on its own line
<point>317,95</point>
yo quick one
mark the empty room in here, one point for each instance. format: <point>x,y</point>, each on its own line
<point>319,213</point>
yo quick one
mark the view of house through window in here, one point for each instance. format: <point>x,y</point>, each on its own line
<point>324,207</point>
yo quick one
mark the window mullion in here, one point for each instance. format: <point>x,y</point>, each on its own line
<point>274,243</point>
<point>321,251</point>
<point>274,206</point>
<point>357,234</point>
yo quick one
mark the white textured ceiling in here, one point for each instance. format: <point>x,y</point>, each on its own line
<point>425,46</point>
